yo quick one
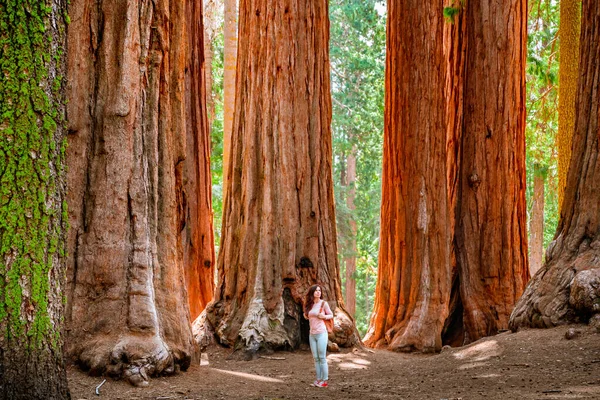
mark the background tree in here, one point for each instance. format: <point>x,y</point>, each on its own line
<point>278,235</point>
<point>357,54</point>
<point>565,289</point>
<point>32,199</point>
<point>570,27</point>
<point>133,185</point>
<point>212,28</point>
<point>541,127</point>
<point>413,286</point>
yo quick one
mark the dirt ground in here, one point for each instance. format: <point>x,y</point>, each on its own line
<point>531,364</point>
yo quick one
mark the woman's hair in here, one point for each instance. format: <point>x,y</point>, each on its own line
<point>310,298</point>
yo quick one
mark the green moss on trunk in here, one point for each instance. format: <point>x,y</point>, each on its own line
<point>32,210</point>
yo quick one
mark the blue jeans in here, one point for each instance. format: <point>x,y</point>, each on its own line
<point>318,347</point>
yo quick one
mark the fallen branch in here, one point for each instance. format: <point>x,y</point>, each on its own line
<point>98,388</point>
<point>273,358</point>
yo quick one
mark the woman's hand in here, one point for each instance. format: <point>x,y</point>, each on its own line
<point>322,315</point>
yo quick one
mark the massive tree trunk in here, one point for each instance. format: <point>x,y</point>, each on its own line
<point>455,52</point>
<point>536,222</point>
<point>566,288</point>
<point>350,260</point>
<point>429,292</point>
<point>135,170</point>
<point>491,235</point>
<point>413,287</point>
<point>279,233</point>
<point>568,35</point>
<point>230,45</point>
<point>198,235</point>
<point>32,192</point>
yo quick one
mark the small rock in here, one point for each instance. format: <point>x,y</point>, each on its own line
<point>572,333</point>
<point>333,347</point>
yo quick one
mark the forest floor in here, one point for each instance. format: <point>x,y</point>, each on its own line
<point>530,364</point>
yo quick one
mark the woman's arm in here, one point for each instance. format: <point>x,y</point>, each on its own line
<point>327,314</point>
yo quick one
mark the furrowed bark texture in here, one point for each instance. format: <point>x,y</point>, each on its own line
<point>350,261</point>
<point>134,171</point>
<point>491,236</point>
<point>566,289</point>
<point>198,236</point>
<point>568,35</point>
<point>230,44</point>
<point>413,287</point>
<point>455,53</point>
<point>33,219</point>
<point>278,235</point>
<point>536,224</point>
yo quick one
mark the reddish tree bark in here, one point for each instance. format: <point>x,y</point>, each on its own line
<point>350,261</point>
<point>536,223</point>
<point>230,47</point>
<point>133,194</point>
<point>413,286</point>
<point>198,235</point>
<point>566,288</point>
<point>455,53</point>
<point>472,264</point>
<point>491,236</point>
<point>278,234</point>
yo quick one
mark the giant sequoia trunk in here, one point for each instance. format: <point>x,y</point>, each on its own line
<point>491,233</point>
<point>566,288</point>
<point>32,192</point>
<point>135,176</point>
<point>198,235</point>
<point>230,43</point>
<point>452,256</point>
<point>278,234</point>
<point>413,286</point>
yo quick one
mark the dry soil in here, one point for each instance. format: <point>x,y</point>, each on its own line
<point>531,364</point>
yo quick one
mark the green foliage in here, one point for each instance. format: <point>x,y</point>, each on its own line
<point>357,55</point>
<point>216,134</point>
<point>31,170</point>
<point>542,107</point>
<point>452,10</point>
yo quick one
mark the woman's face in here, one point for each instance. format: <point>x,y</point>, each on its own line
<point>317,294</point>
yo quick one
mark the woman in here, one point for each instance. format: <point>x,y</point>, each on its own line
<point>316,310</point>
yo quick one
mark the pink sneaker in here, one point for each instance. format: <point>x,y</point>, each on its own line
<point>323,384</point>
<point>316,383</point>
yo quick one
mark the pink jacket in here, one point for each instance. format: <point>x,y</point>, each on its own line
<point>316,324</point>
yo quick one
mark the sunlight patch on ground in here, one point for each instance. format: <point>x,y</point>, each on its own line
<point>488,376</point>
<point>473,365</point>
<point>349,361</point>
<point>346,365</point>
<point>249,376</point>
<point>204,359</point>
<point>479,351</point>
<point>585,389</point>
<point>564,396</point>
